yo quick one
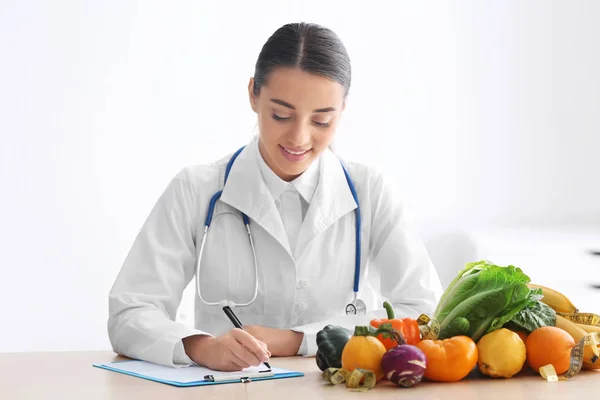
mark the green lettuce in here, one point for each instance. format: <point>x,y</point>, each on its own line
<point>484,297</point>
<point>534,315</point>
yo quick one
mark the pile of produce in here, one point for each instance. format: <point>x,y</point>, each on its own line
<point>490,318</point>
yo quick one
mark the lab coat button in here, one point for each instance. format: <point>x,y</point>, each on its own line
<point>301,306</point>
<point>302,284</point>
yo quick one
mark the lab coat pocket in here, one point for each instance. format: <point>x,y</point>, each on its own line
<point>228,270</point>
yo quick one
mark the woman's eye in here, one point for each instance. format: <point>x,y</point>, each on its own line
<point>278,118</point>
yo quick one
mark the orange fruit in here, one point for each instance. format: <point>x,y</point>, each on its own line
<point>549,345</point>
<point>596,365</point>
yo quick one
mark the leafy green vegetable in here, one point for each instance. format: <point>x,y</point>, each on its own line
<point>486,295</point>
<point>459,326</point>
<point>535,315</point>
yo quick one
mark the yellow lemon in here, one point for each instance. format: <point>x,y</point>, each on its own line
<point>502,353</point>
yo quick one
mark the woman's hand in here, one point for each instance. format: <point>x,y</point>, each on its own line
<point>233,351</point>
<point>281,343</point>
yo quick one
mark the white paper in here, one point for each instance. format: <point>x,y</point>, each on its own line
<point>185,374</point>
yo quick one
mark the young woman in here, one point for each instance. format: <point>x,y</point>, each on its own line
<point>328,236</point>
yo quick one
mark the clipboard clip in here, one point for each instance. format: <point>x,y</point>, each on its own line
<point>243,379</point>
<point>242,376</point>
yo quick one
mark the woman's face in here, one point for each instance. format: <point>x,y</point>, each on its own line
<point>298,113</point>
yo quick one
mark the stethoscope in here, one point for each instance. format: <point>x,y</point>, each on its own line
<point>355,307</point>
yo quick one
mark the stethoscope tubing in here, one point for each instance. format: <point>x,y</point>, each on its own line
<point>246,220</point>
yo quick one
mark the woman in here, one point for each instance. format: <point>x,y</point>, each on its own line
<point>302,216</point>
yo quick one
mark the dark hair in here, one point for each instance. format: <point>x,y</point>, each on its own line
<point>310,47</point>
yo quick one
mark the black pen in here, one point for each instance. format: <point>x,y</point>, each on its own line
<point>237,323</point>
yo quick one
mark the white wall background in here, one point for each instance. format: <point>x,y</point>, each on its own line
<point>485,112</point>
<point>528,117</point>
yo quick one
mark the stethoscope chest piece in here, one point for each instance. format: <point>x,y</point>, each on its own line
<point>356,307</point>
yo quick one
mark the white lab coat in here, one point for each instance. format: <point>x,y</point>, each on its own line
<point>303,290</point>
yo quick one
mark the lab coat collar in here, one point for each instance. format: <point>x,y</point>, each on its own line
<point>331,201</point>
<point>306,184</point>
<point>247,191</point>
<point>275,184</point>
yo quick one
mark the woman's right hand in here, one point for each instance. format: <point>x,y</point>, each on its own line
<point>233,351</point>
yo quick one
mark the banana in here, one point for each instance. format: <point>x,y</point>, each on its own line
<point>571,327</point>
<point>592,353</point>
<point>578,333</point>
<point>589,328</point>
<point>558,301</point>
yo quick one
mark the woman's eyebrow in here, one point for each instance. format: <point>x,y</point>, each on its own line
<point>288,105</point>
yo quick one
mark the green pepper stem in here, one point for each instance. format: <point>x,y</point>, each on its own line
<point>390,310</point>
<point>362,331</point>
<point>387,331</point>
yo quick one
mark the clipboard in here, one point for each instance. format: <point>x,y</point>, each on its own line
<point>194,375</point>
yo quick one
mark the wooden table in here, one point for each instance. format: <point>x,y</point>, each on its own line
<point>70,375</point>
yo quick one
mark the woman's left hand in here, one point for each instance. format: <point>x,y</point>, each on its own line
<point>280,342</point>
